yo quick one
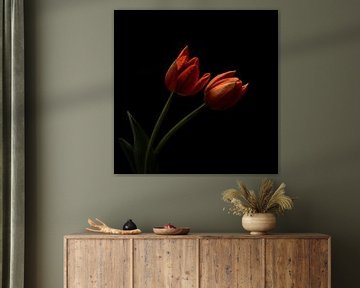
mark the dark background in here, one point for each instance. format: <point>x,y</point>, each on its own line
<point>240,140</point>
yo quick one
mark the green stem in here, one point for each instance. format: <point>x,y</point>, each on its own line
<point>181,123</point>
<point>156,129</point>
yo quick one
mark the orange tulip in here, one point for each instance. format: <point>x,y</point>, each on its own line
<point>224,91</point>
<point>183,75</point>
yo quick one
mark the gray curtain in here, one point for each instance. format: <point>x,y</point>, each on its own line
<point>12,179</point>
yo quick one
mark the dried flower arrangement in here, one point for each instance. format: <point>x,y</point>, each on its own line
<point>267,200</point>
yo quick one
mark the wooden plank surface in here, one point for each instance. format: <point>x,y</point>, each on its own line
<point>197,260</point>
<point>319,263</point>
<point>165,263</point>
<point>95,263</point>
<point>287,263</point>
<point>88,235</point>
<point>231,263</point>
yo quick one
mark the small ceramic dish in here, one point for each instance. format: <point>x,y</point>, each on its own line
<point>171,231</point>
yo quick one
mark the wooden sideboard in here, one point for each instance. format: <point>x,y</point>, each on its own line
<point>197,260</point>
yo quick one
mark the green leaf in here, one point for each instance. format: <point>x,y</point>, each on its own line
<point>141,141</point>
<point>129,153</point>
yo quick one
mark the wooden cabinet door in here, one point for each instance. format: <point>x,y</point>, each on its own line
<point>231,263</point>
<point>287,263</point>
<point>297,263</point>
<point>165,263</point>
<point>210,261</point>
<point>320,263</point>
<point>98,263</point>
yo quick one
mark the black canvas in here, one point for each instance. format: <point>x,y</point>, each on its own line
<point>239,140</point>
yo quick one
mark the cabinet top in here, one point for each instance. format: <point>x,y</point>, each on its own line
<point>89,235</point>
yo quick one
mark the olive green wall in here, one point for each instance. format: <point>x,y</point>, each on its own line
<point>70,131</point>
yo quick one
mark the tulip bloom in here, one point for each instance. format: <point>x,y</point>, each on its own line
<point>224,91</point>
<point>183,75</point>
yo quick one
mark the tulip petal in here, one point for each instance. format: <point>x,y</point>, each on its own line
<point>181,62</point>
<point>220,91</point>
<point>171,77</point>
<point>186,64</point>
<point>233,97</point>
<point>224,96</point>
<point>187,80</point>
<point>244,88</point>
<point>224,91</point>
<point>223,81</point>
<point>183,75</point>
<point>219,77</point>
<point>182,58</point>
<point>193,61</point>
<point>184,52</point>
<point>200,84</point>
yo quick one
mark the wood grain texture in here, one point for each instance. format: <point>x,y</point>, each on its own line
<point>287,263</point>
<point>98,264</point>
<point>205,260</point>
<point>231,263</point>
<point>166,263</point>
<point>319,263</point>
<point>88,235</point>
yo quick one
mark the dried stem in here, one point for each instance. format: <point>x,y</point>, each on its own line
<point>101,227</point>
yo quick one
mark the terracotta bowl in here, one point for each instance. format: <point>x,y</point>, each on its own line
<point>171,231</point>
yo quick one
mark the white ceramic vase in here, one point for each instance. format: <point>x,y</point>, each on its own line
<point>259,223</point>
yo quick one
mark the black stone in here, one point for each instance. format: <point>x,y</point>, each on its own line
<point>129,225</point>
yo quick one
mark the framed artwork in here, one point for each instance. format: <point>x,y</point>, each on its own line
<point>196,92</point>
